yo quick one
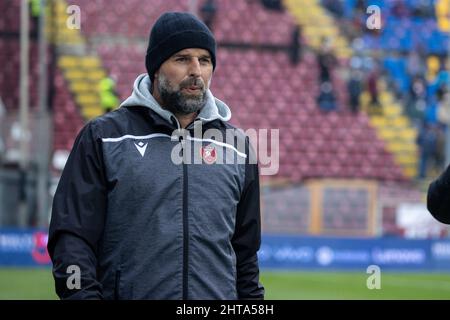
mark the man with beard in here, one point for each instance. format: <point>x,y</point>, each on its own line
<point>129,222</point>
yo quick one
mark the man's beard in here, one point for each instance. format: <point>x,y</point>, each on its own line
<point>178,102</point>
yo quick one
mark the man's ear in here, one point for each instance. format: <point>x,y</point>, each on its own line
<point>155,79</point>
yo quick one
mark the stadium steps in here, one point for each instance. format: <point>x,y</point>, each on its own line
<point>62,34</point>
<point>317,25</point>
<point>82,72</point>
<point>396,130</point>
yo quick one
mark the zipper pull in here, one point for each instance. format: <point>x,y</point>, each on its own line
<point>180,138</point>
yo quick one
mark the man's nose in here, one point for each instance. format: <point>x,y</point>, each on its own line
<point>194,68</point>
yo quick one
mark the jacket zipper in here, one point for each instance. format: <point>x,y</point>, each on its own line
<point>185,224</point>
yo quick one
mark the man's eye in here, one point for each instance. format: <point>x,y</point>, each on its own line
<point>181,59</point>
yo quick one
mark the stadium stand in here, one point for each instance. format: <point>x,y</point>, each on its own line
<point>9,77</point>
<point>235,21</point>
<point>310,140</point>
<point>67,120</point>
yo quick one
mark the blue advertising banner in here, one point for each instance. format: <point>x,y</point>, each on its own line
<point>291,252</point>
<point>28,247</point>
<point>23,247</point>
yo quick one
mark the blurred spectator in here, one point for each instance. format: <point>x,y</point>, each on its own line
<point>326,60</point>
<point>295,48</point>
<point>433,66</point>
<point>358,46</point>
<point>273,4</point>
<point>355,27</point>
<point>208,13</point>
<point>361,6</point>
<point>427,140</point>
<point>335,7</point>
<point>108,95</point>
<point>443,96</point>
<point>437,88</point>
<point>443,116</point>
<point>440,148</point>
<point>357,61</point>
<point>372,87</point>
<point>443,76</point>
<point>354,87</point>
<point>417,98</point>
<point>399,9</point>
<point>35,8</point>
<point>326,99</point>
<point>35,12</point>
<point>424,9</point>
<point>431,110</point>
<point>415,63</point>
<point>359,13</point>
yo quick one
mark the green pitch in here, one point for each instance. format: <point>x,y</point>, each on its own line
<point>353,285</point>
<point>38,284</point>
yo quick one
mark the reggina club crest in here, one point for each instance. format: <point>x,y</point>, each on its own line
<point>209,154</point>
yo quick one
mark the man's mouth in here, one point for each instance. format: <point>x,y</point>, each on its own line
<point>192,89</point>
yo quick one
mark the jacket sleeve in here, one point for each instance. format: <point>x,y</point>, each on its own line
<point>438,198</point>
<point>247,236</point>
<point>77,220</point>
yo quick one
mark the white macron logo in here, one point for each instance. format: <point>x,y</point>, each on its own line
<point>141,147</point>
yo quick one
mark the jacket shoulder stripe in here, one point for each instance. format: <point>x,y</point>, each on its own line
<point>128,136</point>
<point>226,145</point>
<point>159,135</point>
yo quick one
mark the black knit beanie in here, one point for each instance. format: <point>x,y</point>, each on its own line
<point>175,31</point>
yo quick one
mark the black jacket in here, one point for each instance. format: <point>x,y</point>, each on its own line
<point>438,199</point>
<point>141,226</point>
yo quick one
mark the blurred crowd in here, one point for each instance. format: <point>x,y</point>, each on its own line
<point>421,85</point>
